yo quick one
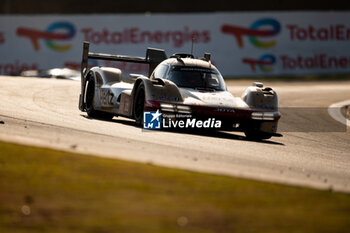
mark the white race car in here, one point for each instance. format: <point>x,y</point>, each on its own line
<point>179,85</point>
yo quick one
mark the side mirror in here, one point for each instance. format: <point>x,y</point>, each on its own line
<point>134,76</point>
<point>258,84</point>
<point>158,81</point>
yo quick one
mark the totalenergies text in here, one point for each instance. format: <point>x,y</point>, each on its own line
<point>135,35</point>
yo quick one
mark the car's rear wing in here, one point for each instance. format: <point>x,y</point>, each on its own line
<point>153,58</point>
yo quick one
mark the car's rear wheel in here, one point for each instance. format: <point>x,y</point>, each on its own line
<point>89,102</point>
<point>139,104</point>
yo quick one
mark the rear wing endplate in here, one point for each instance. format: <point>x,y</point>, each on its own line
<point>153,58</point>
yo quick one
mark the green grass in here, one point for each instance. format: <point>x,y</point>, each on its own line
<point>69,192</point>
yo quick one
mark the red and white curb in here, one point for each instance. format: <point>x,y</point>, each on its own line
<point>335,111</point>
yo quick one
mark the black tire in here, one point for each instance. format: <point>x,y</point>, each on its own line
<point>139,104</point>
<point>256,135</point>
<point>89,100</point>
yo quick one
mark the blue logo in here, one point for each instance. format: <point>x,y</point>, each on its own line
<point>151,120</point>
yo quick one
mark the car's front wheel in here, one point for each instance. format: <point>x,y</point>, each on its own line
<point>139,104</point>
<point>89,102</point>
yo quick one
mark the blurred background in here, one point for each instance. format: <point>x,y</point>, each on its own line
<point>139,6</point>
<point>245,38</point>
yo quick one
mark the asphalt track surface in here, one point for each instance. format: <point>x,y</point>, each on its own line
<point>314,152</point>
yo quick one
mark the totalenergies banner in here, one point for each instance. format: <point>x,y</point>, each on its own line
<point>241,44</point>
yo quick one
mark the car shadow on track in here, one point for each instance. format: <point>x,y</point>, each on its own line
<point>221,134</point>
<point>197,132</point>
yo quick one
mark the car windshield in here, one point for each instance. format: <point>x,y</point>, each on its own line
<point>197,78</point>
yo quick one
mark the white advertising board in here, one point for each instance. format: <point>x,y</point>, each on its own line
<point>241,44</point>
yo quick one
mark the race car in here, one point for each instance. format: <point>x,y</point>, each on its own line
<point>180,87</point>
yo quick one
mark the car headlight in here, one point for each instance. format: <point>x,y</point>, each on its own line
<point>183,109</point>
<point>175,108</point>
<point>267,116</point>
<point>167,107</point>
